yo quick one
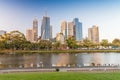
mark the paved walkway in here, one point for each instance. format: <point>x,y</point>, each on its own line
<point>86,69</point>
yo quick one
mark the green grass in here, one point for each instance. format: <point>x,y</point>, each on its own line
<point>66,51</point>
<point>59,51</point>
<point>61,76</point>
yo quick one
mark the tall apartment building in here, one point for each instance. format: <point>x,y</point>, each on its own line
<point>29,33</point>
<point>35,30</point>
<point>50,32</point>
<point>71,29</point>
<point>93,34</point>
<point>64,29</point>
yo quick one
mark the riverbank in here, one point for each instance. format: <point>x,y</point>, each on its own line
<point>59,51</point>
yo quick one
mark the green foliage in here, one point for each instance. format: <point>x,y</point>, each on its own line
<point>87,43</point>
<point>71,43</point>
<point>56,45</point>
<point>116,42</point>
<point>45,44</point>
<point>104,43</point>
<point>12,40</point>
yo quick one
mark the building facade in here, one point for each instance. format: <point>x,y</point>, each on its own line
<point>35,30</point>
<point>29,33</point>
<point>64,29</point>
<point>71,29</point>
<point>78,29</point>
<point>93,34</point>
<point>45,28</point>
<point>50,32</point>
<point>90,37</point>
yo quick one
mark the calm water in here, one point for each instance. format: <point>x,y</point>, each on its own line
<point>59,60</point>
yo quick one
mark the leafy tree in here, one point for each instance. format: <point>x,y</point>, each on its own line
<point>87,43</point>
<point>44,44</point>
<point>56,45</point>
<point>13,40</point>
<point>116,42</point>
<point>104,43</point>
<point>71,43</point>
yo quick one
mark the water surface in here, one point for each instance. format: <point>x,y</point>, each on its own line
<point>46,60</point>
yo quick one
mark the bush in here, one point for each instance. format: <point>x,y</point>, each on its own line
<point>57,69</point>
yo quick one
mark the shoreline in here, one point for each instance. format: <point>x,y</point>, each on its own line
<point>59,51</point>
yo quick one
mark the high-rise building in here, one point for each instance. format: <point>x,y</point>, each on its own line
<point>45,28</point>
<point>35,29</point>
<point>93,34</point>
<point>71,29</point>
<point>50,32</point>
<point>64,29</point>
<point>29,33</point>
<point>2,32</point>
<point>90,34</point>
<point>78,29</point>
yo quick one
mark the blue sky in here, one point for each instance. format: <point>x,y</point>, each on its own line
<point>19,14</point>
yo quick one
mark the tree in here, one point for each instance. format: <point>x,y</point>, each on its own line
<point>13,40</point>
<point>56,45</point>
<point>87,43</point>
<point>17,39</point>
<point>104,43</point>
<point>44,44</point>
<point>71,43</point>
<point>80,44</point>
<point>116,42</point>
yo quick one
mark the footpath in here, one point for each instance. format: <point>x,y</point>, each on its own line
<point>84,69</point>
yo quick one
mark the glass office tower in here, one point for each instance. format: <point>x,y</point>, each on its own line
<point>45,28</point>
<point>78,29</point>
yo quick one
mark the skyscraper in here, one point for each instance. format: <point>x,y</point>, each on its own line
<point>45,28</point>
<point>29,33</point>
<point>35,30</point>
<point>90,34</point>
<point>64,29</point>
<point>71,29</point>
<point>93,34</point>
<point>78,29</point>
<point>50,32</point>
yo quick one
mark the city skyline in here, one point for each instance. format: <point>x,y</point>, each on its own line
<point>19,14</point>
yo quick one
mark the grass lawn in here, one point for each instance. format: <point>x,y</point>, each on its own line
<point>61,76</point>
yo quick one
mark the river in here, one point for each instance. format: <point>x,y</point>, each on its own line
<point>47,60</point>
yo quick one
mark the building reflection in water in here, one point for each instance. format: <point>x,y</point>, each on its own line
<point>29,60</point>
<point>83,59</point>
<point>96,59</point>
<point>111,59</point>
<point>60,60</point>
<point>37,60</point>
<point>11,61</point>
